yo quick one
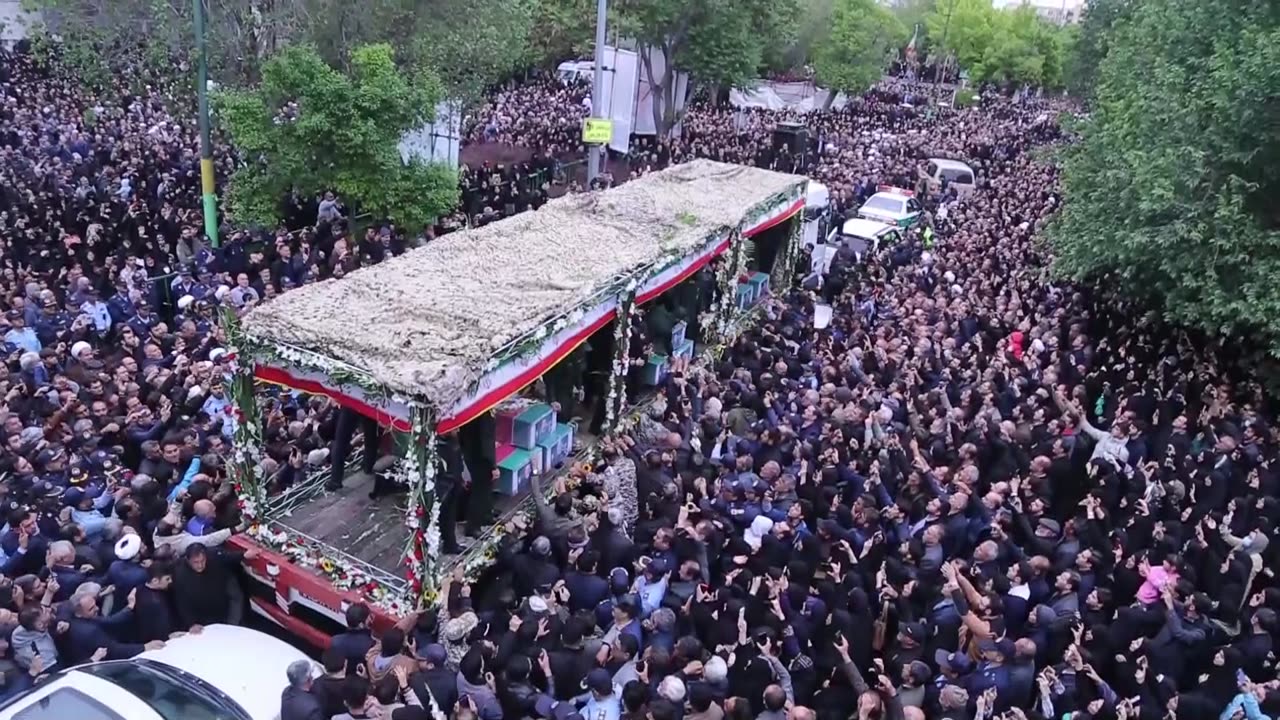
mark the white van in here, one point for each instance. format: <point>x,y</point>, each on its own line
<point>956,173</point>
<point>571,71</point>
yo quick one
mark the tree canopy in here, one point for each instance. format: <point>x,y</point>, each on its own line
<point>961,28</point>
<point>309,127</point>
<point>718,42</point>
<point>1012,46</point>
<point>1100,16</point>
<point>469,43</point>
<point>1173,191</point>
<point>853,55</point>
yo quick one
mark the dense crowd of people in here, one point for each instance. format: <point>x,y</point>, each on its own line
<point>544,114</point>
<point>117,425</point>
<point>975,493</point>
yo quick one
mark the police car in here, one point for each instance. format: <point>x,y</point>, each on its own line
<point>892,205</point>
<point>861,235</point>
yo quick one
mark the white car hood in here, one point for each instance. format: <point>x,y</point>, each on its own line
<point>883,216</point>
<point>247,665</point>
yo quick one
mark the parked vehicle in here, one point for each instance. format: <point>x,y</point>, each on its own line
<point>956,173</point>
<point>892,205</point>
<point>223,673</point>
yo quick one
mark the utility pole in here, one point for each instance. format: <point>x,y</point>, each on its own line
<point>946,59</point>
<point>596,153</point>
<point>207,191</point>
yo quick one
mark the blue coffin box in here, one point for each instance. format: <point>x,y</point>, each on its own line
<point>655,370</point>
<point>532,425</point>
<point>514,472</point>
<point>677,334</point>
<point>556,446</point>
<point>685,350</point>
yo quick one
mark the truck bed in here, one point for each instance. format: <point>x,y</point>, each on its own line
<point>372,531</point>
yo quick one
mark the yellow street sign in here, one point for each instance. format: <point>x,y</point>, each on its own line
<point>597,131</point>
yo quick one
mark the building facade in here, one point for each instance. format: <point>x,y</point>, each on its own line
<point>1061,12</point>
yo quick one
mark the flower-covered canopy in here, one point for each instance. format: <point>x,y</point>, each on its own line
<point>427,341</point>
<point>430,325</point>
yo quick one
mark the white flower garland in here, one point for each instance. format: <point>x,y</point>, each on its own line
<point>417,470</point>
<point>791,254</point>
<point>718,321</point>
<point>245,467</point>
<point>342,574</point>
<point>617,397</point>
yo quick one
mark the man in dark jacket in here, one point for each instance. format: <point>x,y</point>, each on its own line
<point>354,644</point>
<point>433,676</point>
<point>200,588</point>
<point>520,695</point>
<point>90,636</point>
<point>24,544</point>
<point>449,491</point>
<point>153,618</point>
<point>328,687</point>
<point>297,702</point>
<point>586,588</point>
<point>476,439</point>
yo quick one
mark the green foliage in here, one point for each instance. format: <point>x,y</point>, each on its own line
<point>1173,192</point>
<point>718,42</point>
<point>80,58</point>
<point>119,37</point>
<point>1096,27</point>
<point>812,26</point>
<point>722,49</point>
<point>781,20</point>
<point>1014,53</point>
<point>470,43</point>
<point>312,128</point>
<point>916,12</point>
<point>473,43</point>
<point>864,35</point>
<point>962,28</point>
<point>1001,46</point>
<point>562,29</point>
